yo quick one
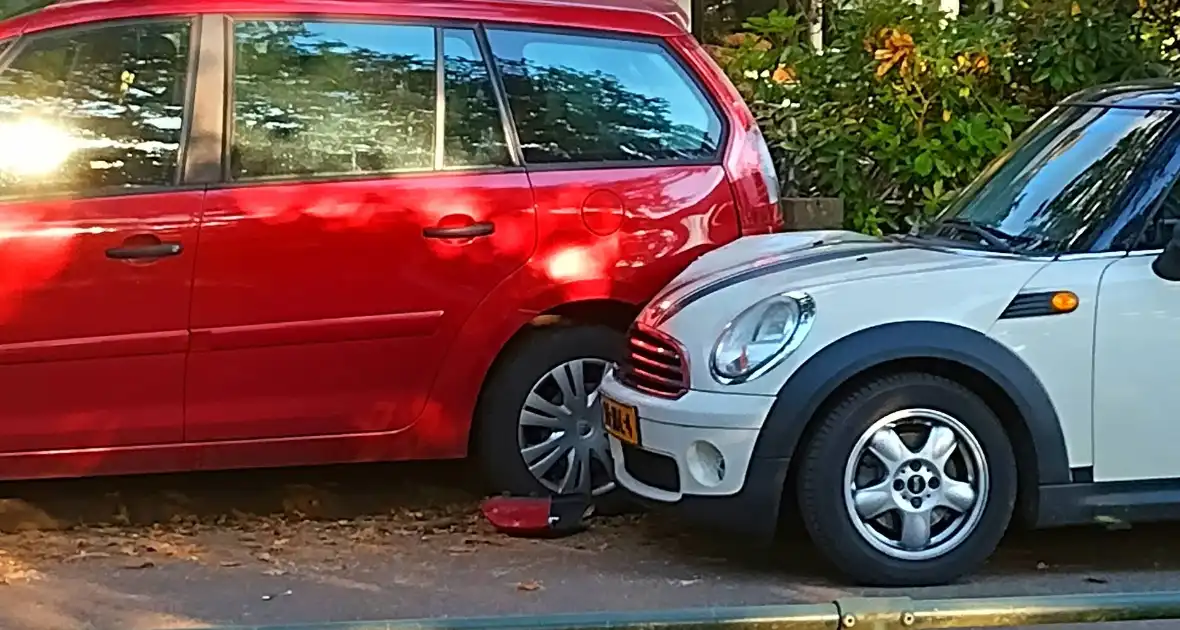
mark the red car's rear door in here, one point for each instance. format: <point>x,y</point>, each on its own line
<point>359,226</point>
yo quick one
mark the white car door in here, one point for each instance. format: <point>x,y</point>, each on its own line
<point>1136,360</point>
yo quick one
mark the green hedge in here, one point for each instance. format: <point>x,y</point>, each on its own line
<point>904,106</point>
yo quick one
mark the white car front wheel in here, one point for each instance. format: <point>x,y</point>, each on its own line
<point>909,480</point>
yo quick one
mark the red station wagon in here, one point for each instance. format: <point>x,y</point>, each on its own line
<point>247,233</point>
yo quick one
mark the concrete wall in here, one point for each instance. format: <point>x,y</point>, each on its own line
<point>686,6</point>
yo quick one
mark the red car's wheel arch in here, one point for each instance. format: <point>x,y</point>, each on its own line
<point>443,429</point>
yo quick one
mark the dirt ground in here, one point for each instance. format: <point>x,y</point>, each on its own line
<point>406,541</point>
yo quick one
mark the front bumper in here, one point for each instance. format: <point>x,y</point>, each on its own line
<point>665,467</point>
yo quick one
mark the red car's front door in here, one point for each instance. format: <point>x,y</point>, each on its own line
<point>359,227</point>
<point>96,239</point>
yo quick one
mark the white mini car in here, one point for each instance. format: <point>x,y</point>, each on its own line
<point>909,395</point>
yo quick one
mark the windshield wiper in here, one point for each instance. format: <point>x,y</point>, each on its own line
<point>988,234</point>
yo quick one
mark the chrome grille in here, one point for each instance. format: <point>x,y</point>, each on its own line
<point>654,364</point>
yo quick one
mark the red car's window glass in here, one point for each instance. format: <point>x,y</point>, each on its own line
<point>326,99</point>
<point>474,130</point>
<point>84,110</point>
<point>579,98</point>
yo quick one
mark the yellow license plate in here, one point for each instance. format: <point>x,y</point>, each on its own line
<point>622,421</point>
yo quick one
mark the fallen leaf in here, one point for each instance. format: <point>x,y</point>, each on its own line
<point>142,564</point>
<point>265,557</point>
<point>274,572</point>
<point>530,586</point>
<point>230,563</point>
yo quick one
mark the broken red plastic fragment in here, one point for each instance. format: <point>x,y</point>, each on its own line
<point>533,517</point>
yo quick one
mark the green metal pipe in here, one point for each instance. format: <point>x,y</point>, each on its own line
<point>900,613</point>
<point>796,617</point>
<point>1000,612</point>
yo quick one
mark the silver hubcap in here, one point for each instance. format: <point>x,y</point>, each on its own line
<point>916,484</point>
<point>560,431</point>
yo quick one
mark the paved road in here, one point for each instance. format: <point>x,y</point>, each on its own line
<point>403,541</point>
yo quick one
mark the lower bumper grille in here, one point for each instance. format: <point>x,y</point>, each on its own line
<point>652,469</point>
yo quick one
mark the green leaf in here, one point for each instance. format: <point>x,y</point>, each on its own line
<point>923,164</point>
<point>944,167</point>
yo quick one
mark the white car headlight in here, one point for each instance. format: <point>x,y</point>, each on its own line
<point>757,339</point>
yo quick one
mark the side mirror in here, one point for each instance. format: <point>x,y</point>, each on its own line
<point>1167,264</point>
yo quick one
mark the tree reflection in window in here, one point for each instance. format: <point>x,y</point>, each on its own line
<point>90,110</point>
<point>588,99</point>
<point>474,130</point>
<point>1058,187</point>
<point>325,99</point>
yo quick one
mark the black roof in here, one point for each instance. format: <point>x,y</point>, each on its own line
<point>1149,94</point>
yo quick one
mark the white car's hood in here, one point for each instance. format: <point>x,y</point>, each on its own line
<point>756,251</point>
<point>806,259</point>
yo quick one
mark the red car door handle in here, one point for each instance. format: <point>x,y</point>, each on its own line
<point>141,252</point>
<point>484,228</point>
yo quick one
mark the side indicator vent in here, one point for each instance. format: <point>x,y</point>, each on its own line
<point>1040,304</point>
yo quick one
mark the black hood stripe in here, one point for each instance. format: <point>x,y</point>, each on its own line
<point>820,255</point>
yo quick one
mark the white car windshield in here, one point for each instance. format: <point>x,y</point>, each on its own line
<point>1058,184</point>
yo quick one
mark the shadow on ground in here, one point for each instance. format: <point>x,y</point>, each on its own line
<point>324,493</point>
<point>434,496</point>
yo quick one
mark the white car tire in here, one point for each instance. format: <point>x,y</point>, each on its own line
<point>908,480</point>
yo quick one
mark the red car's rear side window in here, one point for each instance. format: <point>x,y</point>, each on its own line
<point>592,99</point>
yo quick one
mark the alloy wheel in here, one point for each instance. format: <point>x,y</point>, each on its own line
<point>560,431</point>
<point>916,484</point>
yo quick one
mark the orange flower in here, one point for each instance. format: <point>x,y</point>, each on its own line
<point>783,74</point>
<point>967,62</point>
<point>897,49</point>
